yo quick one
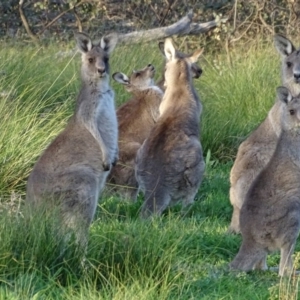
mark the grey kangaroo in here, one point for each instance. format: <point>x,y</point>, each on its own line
<point>136,118</point>
<point>255,152</point>
<point>270,216</point>
<point>169,165</point>
<point>73,169</point>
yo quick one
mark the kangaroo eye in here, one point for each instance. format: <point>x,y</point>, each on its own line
<point>137,74</point>
<point>91,60</point>
<point>292,112</point>
<point>289,64</point>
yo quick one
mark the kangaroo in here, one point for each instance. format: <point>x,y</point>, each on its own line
<point>270,216</point>
<point>136,118</point>
<point>256,151</point>
<point>196,70</point>
<point>169,165</point>
<point>73,169</point>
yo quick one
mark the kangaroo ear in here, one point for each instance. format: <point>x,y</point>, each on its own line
<point>84,42</point>
<point>284,94</point>
<point>195,56</point>
<point>283,45</point>
<point>109,42</point>
<point>121,78</point>
<point>169,49</point>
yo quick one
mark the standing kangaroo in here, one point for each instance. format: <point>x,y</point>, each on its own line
<point>73,169</point>
<point>135,118</point>
<point>196,70</point>
<point>270,216</point>
<point>169,165</point>
<point>256,151</point>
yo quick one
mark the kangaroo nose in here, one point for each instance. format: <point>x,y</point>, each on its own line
<point>101,70</point>
<point>297,75</point>
<point>151,67</point>
<point>196,72</point>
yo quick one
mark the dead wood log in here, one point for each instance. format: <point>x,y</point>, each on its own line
<point>197,28</point>
<point>182,27</point>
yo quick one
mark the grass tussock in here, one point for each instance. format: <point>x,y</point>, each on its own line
<point>172,257</point>
<point>237,96</point>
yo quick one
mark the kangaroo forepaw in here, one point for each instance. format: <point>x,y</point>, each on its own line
<point>106,166</point>
<point>233,230</point>
<point>115,161</point>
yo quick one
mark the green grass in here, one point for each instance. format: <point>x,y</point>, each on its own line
<point>171,257</point>
<point>236,97</point>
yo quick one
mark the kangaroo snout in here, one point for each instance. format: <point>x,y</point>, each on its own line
<point>151,67</point>
<point>197,73</point>
<point>106,167</point>
<point>297,76</point>
<point>101,71</point>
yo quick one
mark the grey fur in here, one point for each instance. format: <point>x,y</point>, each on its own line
<point>255,152</point>
<point>136,118</point>
<point>73,169</point>
<point>270,216</point>
<point>169,165</point>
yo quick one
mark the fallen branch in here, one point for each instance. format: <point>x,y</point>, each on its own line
<point>157,33</point>
<point>197,28</point>
<point>182,27</point>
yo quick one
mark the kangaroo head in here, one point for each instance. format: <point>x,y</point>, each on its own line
<point>178,67</point>
<point>291,112</point>
<point>290,63</point>
<point>95,56</point>
<point>196,70</point>
<point>138,80</point>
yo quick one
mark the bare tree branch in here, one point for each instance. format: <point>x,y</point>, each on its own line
<point>170,5</point>
<point>25,22</point>
<point>270,29</point>
<point>60,15</point>
<point>78,21</point>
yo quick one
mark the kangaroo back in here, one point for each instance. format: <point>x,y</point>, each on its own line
<point>169,165</point>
